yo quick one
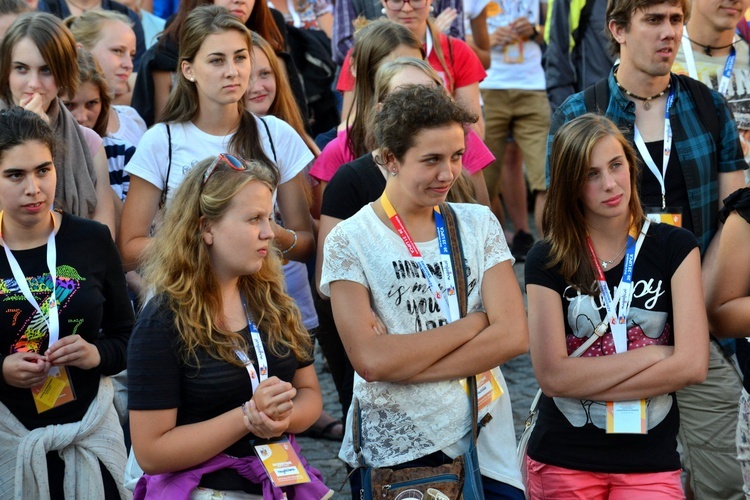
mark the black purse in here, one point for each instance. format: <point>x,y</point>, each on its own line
<point>462,477</point>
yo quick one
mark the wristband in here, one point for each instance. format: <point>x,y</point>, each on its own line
<point>294,243</point>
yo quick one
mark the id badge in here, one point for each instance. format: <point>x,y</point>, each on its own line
<point>282,464</point>
<point>513,53</point>
<point>55,391</point>
<point>488,390</point>
<point>670,215</point>
<point>626,417</point>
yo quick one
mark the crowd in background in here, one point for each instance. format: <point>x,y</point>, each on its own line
<point>195,193</point>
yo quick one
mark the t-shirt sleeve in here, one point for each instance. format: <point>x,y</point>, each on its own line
<point>340,262</point>
<point>292,153</point>
<point>330,159</point>
<point>495,247</point>
<point>151,157</point>
<point>153,365</point>
<point>342,195</point>
<point>477,155</point>
<point>117,317</point>
<point>730,153</point>
<point>537,272</point>
<point>467,68</point>
<point>346,80</point>
<point>678,244</point>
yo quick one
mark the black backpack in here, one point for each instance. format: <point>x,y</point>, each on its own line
<point>596,99</point>
<point>311,51</point>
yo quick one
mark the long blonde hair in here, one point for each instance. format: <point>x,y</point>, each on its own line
<point>177,266</point>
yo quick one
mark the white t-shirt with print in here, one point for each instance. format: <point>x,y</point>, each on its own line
<point>404,422</point>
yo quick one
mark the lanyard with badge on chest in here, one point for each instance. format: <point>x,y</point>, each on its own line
<point>280,461</point>
<point>488,388</point>
<point>662,213</point>
<point>622,416</point>
<point>57,389</point>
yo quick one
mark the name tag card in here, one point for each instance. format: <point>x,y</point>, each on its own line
<point>281,462</point>
<point>626,417</point>
<point>55,391</point>
<point>670,215</point>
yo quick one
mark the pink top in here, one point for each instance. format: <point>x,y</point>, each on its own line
<point>336,153</point>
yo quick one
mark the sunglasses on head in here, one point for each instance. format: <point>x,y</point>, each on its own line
<point>234,163</point>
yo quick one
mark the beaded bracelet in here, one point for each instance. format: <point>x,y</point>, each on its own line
<point>294,243</point>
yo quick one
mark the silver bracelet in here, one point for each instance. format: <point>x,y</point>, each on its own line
<point>294,243</point>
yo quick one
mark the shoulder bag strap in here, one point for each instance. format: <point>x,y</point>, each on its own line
<point>270,139</point>
<point>163,200</point>
<point>459,271</point>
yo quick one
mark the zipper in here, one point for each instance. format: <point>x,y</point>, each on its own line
<point>442,478</point>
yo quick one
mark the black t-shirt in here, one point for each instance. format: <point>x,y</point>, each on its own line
<point>92,301</point>
<point>159,378</point>
<point>571,433</point>
<point>354,185</point>
<point>676,191</point>
<point>740,201</point>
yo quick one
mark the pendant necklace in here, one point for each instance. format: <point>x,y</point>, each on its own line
<point>607,263</point>
<point>708,48</point>
<point>646,100</point>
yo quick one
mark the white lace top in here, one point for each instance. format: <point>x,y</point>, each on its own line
<point>405,422</point>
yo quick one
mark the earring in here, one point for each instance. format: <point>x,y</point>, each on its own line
<point>432,9</point>
<point>393,172</point>
<point>382,10</point>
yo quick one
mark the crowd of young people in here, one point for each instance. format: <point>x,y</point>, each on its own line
<point>177,240</point>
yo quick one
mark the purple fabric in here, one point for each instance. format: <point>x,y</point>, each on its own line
<point>179,485</point>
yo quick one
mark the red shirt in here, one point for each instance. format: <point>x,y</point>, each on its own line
<point>463,64</point>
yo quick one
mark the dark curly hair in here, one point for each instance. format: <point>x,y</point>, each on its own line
<point>411,109</point>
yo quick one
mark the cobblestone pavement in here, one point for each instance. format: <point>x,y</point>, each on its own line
<point>323,454</point>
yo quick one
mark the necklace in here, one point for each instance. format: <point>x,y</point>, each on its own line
<point>708,48</point>
<point>646,100</point>
<point>607,263</point>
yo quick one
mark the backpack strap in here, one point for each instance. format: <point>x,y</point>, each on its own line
<point>705,106</point>
<point>164,191</point>
<point>270,139</point>
<point>596,97</point>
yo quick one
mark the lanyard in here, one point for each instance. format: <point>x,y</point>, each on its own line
<point>660,176</point>
<point>260,353</point>
<point>51,320</point>
<point>618,307</point>
<point>726,75</point>
<point>449,304</point>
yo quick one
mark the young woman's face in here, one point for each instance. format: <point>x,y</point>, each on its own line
<point>261,91</point>
<point>86,105</point>
<point>406,15</point>
<point>240,8</point>
<point>238,242</point>
<point>429,168</point>
<point>114,52</point>
<point>30,76</point>
<point>606,193</point>
<point>27,183</point>
<point>220,69</point>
